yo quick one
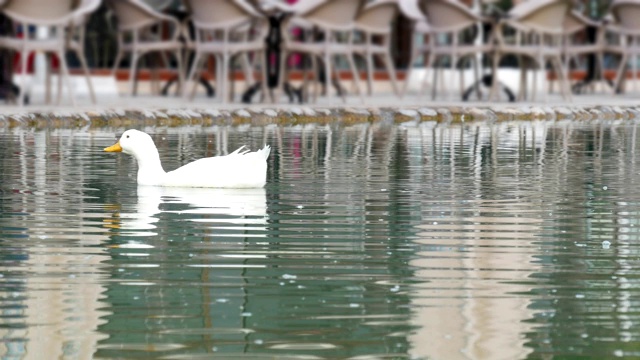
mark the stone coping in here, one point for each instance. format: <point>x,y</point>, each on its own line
<point>306,115</point>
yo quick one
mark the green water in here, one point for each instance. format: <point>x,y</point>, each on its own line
<point>477,241</point>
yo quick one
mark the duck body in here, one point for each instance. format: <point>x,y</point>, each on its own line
<point>240,169</point>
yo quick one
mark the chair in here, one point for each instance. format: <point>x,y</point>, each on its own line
<point>328,27</point>
<point>58,17</point>
<point>453,29</point>
<point>576,46</point>
<point>225,29</point>
<point>159,5</point>
<point>533,30</point>
<point>76,37</point>
<point>375,21</point>
<point>625,28</point>
<point>140,31</point>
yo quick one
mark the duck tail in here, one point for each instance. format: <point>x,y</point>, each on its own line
<point>266,150</point>
<point>240,151</point>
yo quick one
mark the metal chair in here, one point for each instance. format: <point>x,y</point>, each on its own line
<point>225,29</point>
<point>139,31</point>
<point>625,31</point>
<point>533,30</point>
<point>58,17</point>
<point>576,46</point>
<point>375,21</point>
<point>450,24</point>
<point>329,29</point>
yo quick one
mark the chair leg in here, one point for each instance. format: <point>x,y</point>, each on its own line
<point>634,71</point>
<point>563,76</point>
<point>388,63</point>
<point>263,81</point>
<point>407,78</point>
<point>23,79</point>
<point>133,73</point>
<point>116,62</point>
<point>461,74</point>
<point>195,67</point>
<point>355,74</point>
<point>59,93</point>
<point>538,66</point>
<point>620,74</point>
<point>85,68</point>
<point>435,77</point>
<point>67,77</point>
<point>47,85</point>
<point>369,68</point>
<point>248,69</point>
<point>224,77</point>
<point>327,74</point>
<point>522,91</point>
<point>180,69</point>
<point>476,77</point>
<point>283,75</point>
<point>314,70</point>
<point>306,75</point>
<point>494,77</point>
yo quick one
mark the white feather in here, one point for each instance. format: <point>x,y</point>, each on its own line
<point>240,169</point>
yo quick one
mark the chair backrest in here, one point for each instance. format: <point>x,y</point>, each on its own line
<point>377,16</point>
<point>159,5</point>
<point>411,10</point>
<point>83,10</point>
<point>218,14</point>
<point>132,14</point>
<point>38,11</point>
<point>574,22</point>
<point>336,14</point>
<point>626,13</point>
<point>547,16</point>
<point>448,15</point>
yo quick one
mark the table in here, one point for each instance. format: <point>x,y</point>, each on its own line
<point>277,13</point>
<point>181,14</point>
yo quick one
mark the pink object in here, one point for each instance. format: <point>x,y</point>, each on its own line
<point>295,59</point>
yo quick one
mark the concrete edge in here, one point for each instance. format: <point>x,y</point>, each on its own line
<point>306,115</point>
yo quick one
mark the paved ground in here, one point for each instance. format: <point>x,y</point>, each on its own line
<point>114,102</point>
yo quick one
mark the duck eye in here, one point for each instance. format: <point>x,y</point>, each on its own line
<point>127,136</point>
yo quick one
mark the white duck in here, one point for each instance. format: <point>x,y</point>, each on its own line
<point>240,169</point>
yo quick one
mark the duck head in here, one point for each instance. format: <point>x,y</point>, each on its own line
<point>135,143</point>
<point>141,147</point>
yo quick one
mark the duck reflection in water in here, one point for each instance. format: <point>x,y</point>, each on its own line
<point>211,206</point>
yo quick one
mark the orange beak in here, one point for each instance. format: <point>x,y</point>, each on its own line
<point>114,148</point>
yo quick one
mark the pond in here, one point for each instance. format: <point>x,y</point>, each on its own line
<point>499,240</point>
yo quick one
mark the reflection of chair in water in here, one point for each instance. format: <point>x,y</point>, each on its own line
<point>206,205</point>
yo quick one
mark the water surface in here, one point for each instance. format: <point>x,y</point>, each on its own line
<point>479,241</point>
